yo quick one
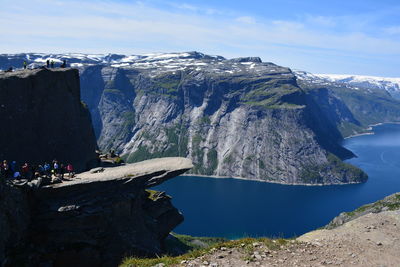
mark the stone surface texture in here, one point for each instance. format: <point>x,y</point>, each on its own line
<point>95,219</point>
<point>43,118</point>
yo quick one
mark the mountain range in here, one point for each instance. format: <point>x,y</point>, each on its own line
<point>233,117</point>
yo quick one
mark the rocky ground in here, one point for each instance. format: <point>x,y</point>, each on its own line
<point>370,240</point>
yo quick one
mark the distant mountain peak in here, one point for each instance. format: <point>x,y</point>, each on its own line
<point>391,85</point>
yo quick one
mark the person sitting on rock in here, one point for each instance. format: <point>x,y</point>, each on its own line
<point>13,166</point>
<point>46,169</point>
<point>5,169</point>
<point>17,175</point>
<point>25,170</point>
<point>40,169</point>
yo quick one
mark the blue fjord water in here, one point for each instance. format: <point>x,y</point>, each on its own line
<point>235,208</point>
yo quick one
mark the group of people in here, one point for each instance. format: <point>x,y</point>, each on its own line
<point>49,64</point>
<point>27,171</point>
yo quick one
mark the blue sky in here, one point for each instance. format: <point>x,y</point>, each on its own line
<point>342,37</point>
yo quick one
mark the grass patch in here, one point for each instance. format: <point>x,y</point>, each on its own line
<point>391,202</point>
<point>247,245</point>
<point>153,194</point>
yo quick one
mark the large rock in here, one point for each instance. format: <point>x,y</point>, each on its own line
<point>14,218</point>
<point>98,218</point>
<point>43,118</point>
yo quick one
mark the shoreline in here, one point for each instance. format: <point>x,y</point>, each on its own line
<point>261,180</point>
<point>370,128</point>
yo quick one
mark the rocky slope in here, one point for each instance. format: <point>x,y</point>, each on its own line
<point>94,220</point>
<point>43,118</point>
<point>238,117</point>
<point>366,240</point>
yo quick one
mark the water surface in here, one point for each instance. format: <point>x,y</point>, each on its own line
<point>235,208</point>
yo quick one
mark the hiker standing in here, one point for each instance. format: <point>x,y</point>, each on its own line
<point>24,64</point>
<point>55,167</point>
<point>48,63</point>
<point>61,171</point>
<point>70,170</point>
<point>52,64</point>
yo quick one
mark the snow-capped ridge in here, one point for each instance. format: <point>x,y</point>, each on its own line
<point>356,82</point>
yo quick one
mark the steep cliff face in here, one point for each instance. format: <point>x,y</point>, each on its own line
<point>94,220</point>
<point>240,118</point>
<point>351,109</point>
<point>43,118</point>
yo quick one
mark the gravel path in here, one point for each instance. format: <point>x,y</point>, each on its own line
<point>371,240</point>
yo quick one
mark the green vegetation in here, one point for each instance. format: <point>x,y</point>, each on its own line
<point>273,94</point>
<point>212,157</point>
<point>152,194</point>
<point>370,107</point>
<point>129,121</point>
<point>311,174</point>
<point>366,106</point>
<point>197,154</point>
<point>166,84</point>
<point>347,129</point>
<point>140,154</point>
<point>391,202</point>
<point>261,164</point>
<point>205,120</point>
<point>175,146</point>
<point>228,159</point>
<point>353,173</point>
<point>247,245</point>
<point>169,83</point>
<point>84,105</point>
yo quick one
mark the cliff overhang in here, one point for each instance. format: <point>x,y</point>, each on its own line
<point>99,217</point>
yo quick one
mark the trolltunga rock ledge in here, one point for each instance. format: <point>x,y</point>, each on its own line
<point>99,218</point>
<point>156,172</point>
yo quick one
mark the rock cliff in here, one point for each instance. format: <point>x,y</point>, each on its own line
<point>94,220</point>
<point>43,118</point>
<point>352,109</point>
<point>233,117</point>
<point>240,118</point>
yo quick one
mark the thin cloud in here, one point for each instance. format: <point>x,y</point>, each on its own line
<point>246,20</point>
<point>105,26</point>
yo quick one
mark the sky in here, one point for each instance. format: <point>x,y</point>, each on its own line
<point>339,37</point>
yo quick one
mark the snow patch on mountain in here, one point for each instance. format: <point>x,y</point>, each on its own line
<point>356,82</point>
